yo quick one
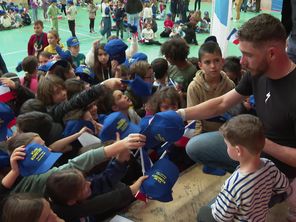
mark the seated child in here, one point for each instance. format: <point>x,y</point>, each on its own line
<point>246,194</point>
<point>190,34</point>
<point>148,36</point>
<point>177,31</point>
<point>168,26</point>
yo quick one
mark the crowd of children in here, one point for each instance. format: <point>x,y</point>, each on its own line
<point>111,94</point>
<point>13,16</point>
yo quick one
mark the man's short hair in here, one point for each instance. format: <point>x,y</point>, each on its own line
<point>262,28</point>
<point>246,130</point>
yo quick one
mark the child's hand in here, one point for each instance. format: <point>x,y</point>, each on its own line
<point>113,83</point>
<point>135,187</point>
<point>134,141</point>
<point>95,43</point>
<point>18,154</point>
<point>85,130</point>
<point>8,82</point>
<point>97,126</point>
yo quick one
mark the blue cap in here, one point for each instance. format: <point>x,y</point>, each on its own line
<point>53,1</point>
<point>138,56</point>
<point>63,54</point>
<point>252,101</point>
<point>85,74</point>
<point>2,12</point>
<point>117,122</point>
<point>74,126</point>
<point>38,160</point>
<point>162,177</point>
<point>139,87</point>
<point>51,64</point>
<point>116,50</point>
<point>6,116</point>
<point>107,11</point>
<point>72,41</point>
<point>165,126</point>
<point>70,1</point>
<point>4,159</point>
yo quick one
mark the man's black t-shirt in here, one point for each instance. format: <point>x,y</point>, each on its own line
<point>276,108</point>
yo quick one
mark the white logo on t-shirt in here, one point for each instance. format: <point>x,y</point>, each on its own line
<point>267,97</point>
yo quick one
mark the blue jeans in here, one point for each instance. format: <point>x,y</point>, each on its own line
<point>35,14</point>
<point>107,26</point>
<point>291,51</point>
<point>134,19</point>
<point>210,149</point>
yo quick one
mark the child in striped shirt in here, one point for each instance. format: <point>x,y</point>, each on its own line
<point>246,194</point>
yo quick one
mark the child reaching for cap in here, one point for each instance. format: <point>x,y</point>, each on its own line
<point>246,194</point>
<point>36,171</point>
<point>70,187</point>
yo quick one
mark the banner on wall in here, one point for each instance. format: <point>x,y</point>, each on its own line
<point>277,5</point>
<point>220,25</point>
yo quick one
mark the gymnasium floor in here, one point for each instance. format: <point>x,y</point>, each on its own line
<point>13,43</point>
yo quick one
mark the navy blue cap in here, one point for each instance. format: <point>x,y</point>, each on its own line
<point>51,64</point>
<point>138,56</point>
<point>38,160</point>
<point>72,41</point>
<point>85,74</point>
<point>165,126</point>
<point>116,50</point>
<point>162,177</point>
<point>117,122</point>
<point>139,87</point>
<point>74,126</point>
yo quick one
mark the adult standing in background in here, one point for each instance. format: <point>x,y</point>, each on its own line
<point>195,4</point>
<point>133,8</point>
<point>238,4</point>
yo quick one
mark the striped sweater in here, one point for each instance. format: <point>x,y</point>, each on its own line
<point>245,197</point>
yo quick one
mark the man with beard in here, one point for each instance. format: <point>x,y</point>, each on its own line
<point>272,80</point>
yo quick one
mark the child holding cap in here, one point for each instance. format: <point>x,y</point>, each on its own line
<point>74,48</point>
<point>35,180</point>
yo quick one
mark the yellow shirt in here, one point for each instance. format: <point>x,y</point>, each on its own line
<point>51,49</point>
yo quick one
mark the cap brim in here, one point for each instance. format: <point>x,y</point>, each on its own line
<point>48,163</point>
<point>74,44</point>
